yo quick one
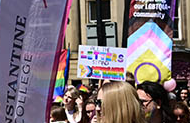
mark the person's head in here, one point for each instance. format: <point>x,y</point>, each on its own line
<point>89,108</point>
<point>70,96</point>
<point>184,93</point>
<point>120,103</point>
<point>154,98</point>
<point>181,112</point>
<point>151,93</point>
<point>103,81</point>
<point>130,78</point>
<point>57,114</point>
<point>98,103</point>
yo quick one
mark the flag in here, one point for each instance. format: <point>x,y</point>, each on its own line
<point>83,88</point>
<point>62,75</point>
<point>149,39</point>
<point>31,38</point>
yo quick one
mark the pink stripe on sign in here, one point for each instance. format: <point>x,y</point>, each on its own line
<point>87,71</point>
<point>148,35</point>
<point>138,43</point>
<point>161,45</point>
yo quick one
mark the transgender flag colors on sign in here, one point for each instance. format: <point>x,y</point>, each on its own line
<point>149,43</point>
<point>149,54</point>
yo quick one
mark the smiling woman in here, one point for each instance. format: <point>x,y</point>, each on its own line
<point>71,98</point>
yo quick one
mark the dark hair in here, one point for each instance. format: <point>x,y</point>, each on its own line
<point>155,90</point>
<point>159,95</point>
<point>85,118</point>
<point>179,92</point>
<point>58,113</point>
<point>130,78</point>
<point>183,107</point>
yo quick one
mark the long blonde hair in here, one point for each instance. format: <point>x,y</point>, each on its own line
<point>121,104</point>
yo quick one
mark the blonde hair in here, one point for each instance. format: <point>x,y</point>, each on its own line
<point>120,104</point>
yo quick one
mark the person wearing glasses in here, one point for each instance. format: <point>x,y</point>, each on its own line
<point>181,112</point>
<point>155,101</point>
<point>88,110</point>
<point>118,102</point>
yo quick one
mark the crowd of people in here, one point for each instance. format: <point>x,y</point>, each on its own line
<point>122,102</point>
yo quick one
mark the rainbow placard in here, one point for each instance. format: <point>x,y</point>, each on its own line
<point>102,62</point>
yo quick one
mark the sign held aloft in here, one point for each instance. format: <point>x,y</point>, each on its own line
<point>102,62</point>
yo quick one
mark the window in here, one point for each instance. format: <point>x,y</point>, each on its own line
<point>177,22</point>
<point>106,14</point>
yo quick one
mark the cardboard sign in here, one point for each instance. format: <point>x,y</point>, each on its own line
<point>149,42</point>
<point>102,62</point>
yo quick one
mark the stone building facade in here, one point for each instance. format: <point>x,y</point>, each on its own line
<point>82,15</point>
